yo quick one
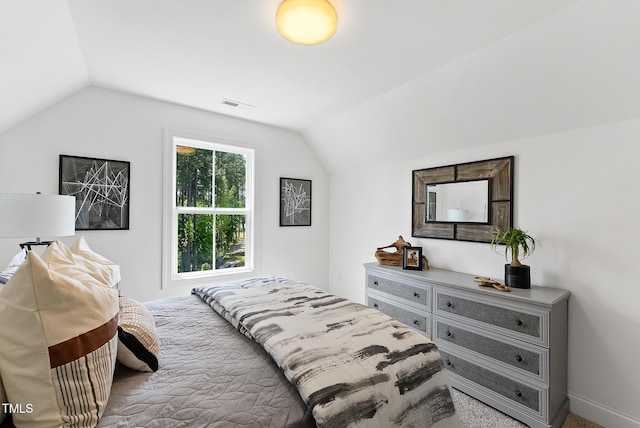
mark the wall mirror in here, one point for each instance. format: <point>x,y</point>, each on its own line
<point>458,202</point>
<point>464,202</point>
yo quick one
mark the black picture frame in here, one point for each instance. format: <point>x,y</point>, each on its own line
<point>412,258</point>
<point>295,202</point>
<point>101,188</point>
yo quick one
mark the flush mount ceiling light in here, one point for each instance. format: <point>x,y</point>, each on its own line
<point>306,22</point>
<point>185,150</point>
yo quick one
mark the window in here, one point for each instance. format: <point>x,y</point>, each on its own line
<point>208,209</point>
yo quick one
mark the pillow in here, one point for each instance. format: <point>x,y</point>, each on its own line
<point>96,265</point>
<point>59,340</point>
<point>14,264</point>
<point>138,343</point>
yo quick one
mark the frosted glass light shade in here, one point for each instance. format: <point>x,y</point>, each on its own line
<point>29,215</point>
<point>185,150</point>
<point>306,22</point>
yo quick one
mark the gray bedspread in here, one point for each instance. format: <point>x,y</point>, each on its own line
<point>209,376</point>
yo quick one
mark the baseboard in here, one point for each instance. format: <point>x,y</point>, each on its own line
<point>600,414</point>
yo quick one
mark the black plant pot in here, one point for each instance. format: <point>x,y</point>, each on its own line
<point>517,276</point>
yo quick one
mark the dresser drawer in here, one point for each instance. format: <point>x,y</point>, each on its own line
<point>520,322</point>
<point>517,392</point>
<point>417,321</point>
<point>398,289</point>
<point>515,356</point>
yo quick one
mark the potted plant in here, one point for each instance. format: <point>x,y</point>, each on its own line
<point>518,244</point>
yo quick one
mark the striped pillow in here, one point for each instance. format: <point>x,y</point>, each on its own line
<point>59,341</point>
<point>138,343</point>
<point>14,264</point>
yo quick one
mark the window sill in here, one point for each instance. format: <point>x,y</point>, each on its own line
<point>194,279</point>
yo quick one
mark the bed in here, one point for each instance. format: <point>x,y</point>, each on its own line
<point>263,352</point>
<point>338,370</point>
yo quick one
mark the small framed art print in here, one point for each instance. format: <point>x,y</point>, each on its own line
<point>295,202</point>
<point>412,258</point>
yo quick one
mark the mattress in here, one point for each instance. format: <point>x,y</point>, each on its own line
<point>209,376</point>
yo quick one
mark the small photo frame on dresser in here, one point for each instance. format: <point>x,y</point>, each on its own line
<point>412,258</point>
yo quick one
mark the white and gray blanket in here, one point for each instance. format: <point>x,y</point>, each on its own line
<point>353,365</point>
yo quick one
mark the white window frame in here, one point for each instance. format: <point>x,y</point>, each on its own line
<point>170,275</point>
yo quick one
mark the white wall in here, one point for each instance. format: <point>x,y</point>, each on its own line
<point>568,187</point>
<point>99,123</point>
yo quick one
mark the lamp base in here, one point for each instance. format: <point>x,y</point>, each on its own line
<point>35,243</point>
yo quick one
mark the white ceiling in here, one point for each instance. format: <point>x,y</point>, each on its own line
<point>197,52</point>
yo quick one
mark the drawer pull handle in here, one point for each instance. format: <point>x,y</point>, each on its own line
<point>448,362</point>
<point>416,295</point>
<point>449,334</point>
<point>416,322</point>
<point>449,304</point>
<point>375,283</point>
<point>519,322</point>
<point>519,358</point>
<point>518,394</point>
<point>375,305</point>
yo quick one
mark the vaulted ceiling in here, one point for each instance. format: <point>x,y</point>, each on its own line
<point>385,55</point>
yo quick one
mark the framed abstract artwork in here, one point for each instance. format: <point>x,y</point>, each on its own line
<point>101,189</point>
<point>295,202</point>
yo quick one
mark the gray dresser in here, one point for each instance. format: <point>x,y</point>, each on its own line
<point>508,350</point>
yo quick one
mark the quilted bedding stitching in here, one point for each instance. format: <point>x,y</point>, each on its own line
<point>209,376</point>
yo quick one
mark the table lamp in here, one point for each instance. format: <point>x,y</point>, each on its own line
<point>24,215</point>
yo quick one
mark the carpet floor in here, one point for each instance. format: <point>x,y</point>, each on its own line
<point>474,414</point>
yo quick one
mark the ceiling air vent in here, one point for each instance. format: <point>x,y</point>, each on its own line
<point>237,104</point>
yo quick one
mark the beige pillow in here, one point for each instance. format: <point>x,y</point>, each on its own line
<point>138,343</point>
<point>59,340</point>
<point>96,265</point>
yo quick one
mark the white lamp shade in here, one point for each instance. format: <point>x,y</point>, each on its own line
<point>306,22</point>
<point>29,215</point>
<point>457,214</point>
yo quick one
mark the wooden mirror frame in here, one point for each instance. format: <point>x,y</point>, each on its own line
<point>499,171</point>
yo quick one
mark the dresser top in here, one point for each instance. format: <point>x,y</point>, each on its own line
<point>536,294</point>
